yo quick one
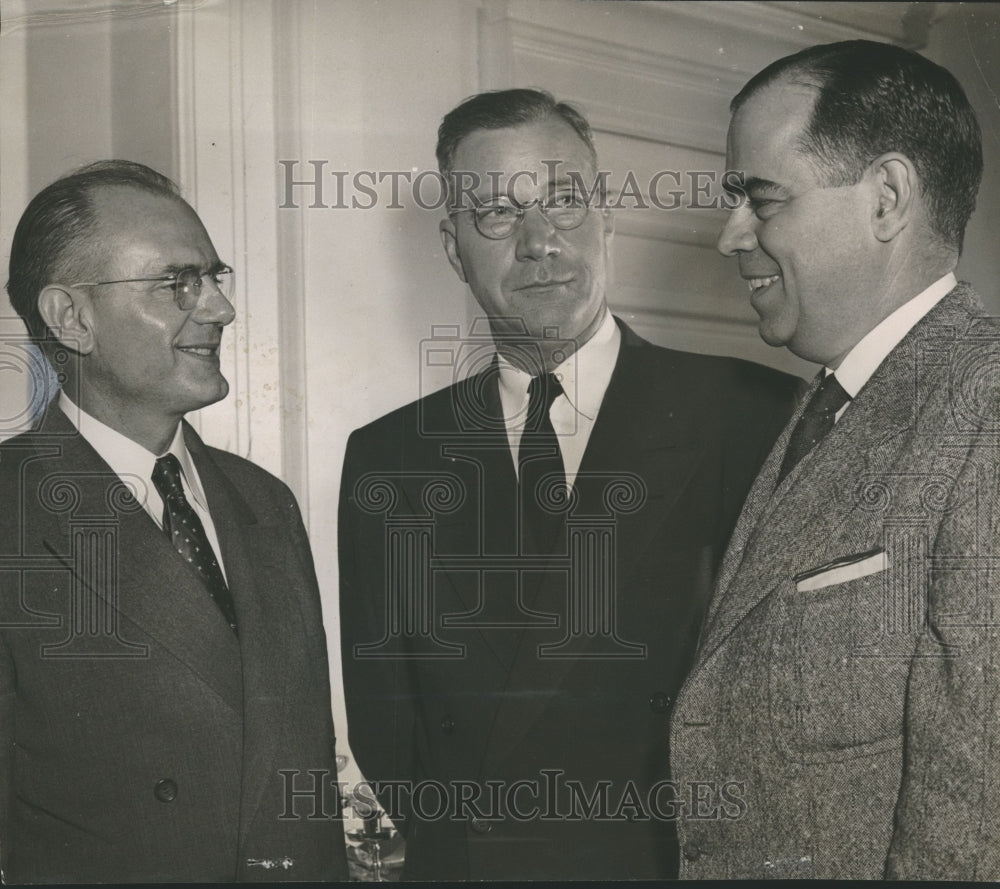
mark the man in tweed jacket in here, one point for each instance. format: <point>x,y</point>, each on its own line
<point>845,690</point>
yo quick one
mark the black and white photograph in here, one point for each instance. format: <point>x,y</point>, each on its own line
<point>499,440</point>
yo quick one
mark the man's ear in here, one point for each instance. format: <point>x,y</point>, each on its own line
<point>897,194</point>
<point>449,237</point>
<point>67,313</point>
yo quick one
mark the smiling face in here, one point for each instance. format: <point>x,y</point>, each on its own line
<point>149,363</point>
<point>541,280</point>
<point>806,251</point>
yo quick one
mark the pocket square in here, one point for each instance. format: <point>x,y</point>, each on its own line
<point>842,570</point>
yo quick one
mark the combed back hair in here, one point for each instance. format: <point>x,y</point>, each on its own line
<point>55,238</point>
<point>875,98</point>
<point>505,108</point>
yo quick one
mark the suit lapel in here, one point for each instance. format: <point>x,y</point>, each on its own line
<point>758,502</point>
<point>153,587</point>
<point>638,450</point>
<point>467,438</point>
<point>635,454</point>
<point>789,530</point>
<point>269,622</point>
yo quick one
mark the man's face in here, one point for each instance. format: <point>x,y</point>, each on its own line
<point>151,362</point>
<point>804,250</point>
<point>550,280</point>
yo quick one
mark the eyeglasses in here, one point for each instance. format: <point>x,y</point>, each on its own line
<point>185,284</point>
<point>499,220</point>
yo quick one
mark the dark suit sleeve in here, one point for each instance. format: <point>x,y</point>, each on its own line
<point>380,712</point>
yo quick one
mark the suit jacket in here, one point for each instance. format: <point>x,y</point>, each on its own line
<point>845,692</point>
<point>141,740</point>
<point>533,751</point>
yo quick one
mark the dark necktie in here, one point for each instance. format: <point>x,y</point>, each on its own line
<point>186,532</point>
<point>540,466</point>
<point>815,422</point>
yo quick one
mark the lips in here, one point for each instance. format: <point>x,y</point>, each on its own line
<point>545,284</point>
<point>201,350</point>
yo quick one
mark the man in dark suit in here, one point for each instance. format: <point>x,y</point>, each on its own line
<point>526,554</point>
<point>848,676</point>
<point>163,667</point>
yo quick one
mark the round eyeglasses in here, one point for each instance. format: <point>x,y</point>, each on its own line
<point>186,285</point>
<point>499,220</point>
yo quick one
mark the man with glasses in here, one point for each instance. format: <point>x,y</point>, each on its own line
<point>163,666</point>
<point>526,554</point>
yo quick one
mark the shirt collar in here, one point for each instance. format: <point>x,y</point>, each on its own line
<point>872,349</point>
<point>130,460</point>
<point>584,375</point>
<point>179,449</point>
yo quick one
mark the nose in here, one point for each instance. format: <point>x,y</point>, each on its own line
<point>739,234</point>
<point>213,306</point>
<point>536,238</point>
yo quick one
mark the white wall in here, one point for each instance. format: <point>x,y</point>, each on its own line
<point>966,41</point>
<point>374,88</point>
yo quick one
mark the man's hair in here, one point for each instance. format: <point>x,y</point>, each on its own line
<point>504,108</point>
<point>54,239</point>
<point>875,98</point>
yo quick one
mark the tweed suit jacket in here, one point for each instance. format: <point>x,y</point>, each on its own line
<point>843,707</point>
<point>440,698</point>
<point>141,740</point>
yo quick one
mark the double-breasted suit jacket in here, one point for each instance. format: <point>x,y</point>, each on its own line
<point>846,684</point>
<point>142,741</point>
<point>523,701</point>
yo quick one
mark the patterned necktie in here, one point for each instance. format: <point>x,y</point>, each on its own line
<point>540,467</point>
<point>186,532</point>
<point>815,422</point>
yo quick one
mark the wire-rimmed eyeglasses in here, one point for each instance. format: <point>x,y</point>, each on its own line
<point>185,284</point>
<point>500,219</point>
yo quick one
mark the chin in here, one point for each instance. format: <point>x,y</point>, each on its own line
<point>208,395</point>
<point>773,332</point>
<point>769,336</point>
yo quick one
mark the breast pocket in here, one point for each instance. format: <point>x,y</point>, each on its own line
<point>840,656</point>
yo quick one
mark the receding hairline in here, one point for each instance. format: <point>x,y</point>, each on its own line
<point>800,76</point>
<point>99,239</point>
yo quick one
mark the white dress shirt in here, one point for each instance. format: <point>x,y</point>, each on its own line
<point>133,464</point>
<point>874,347</point>
<point>584,377</point>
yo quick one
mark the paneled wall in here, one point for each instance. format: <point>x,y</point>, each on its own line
<point>337,301</point>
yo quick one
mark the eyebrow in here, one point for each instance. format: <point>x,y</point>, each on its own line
<point>755,183</point>
<point>553,186</point>
<point>177,268</point>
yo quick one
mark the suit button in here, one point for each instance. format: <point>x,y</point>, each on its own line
<point>692,853</point>
<point>447,725</point>
<point>481,826</point>
<point>659,702</point>
<point>165,790</point>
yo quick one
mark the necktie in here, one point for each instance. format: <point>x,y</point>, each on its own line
<point>815,422</point>
<point>186,532</point>
<point>540,465</point>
